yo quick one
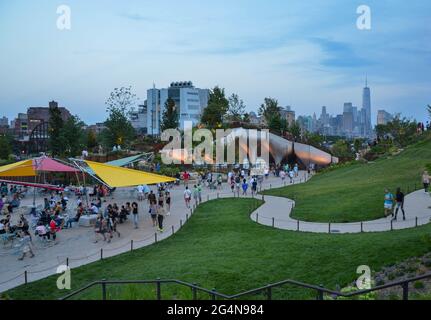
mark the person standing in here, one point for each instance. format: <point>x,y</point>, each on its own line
<point>244,187</point>
<point>389,203</point>
<point>253,186</point>
<point>426,180</point>
<point>135,212</point>
<point>200,193</point>
<point>399,199</point>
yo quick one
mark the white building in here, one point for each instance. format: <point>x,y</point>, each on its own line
<point>189,100</point>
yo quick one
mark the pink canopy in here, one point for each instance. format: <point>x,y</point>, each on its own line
<point>50,165</point>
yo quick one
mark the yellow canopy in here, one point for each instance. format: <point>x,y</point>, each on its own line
<point>19,169</point>
<point>117,177</point>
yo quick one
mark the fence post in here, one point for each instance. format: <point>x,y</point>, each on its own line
<point>67,262</point>
<point>405,291</point>
<point>173,230</point>
<point>273,222</point>
<point>131,245</point>
<point>25,277</point>
<point>362,227</point>
<point>155,237</point>
<point>416,224</point>
<point>297,225</point>
<point>213,296</point>
<point>329,227</point>
<point>104,289</point>
<point>159,289</point>
<point>257,217</point>
<point>269,292</point>
<point>181,223</point>
<point>101,253</point>
<point>392,225</point>
<point>194,291</point>
<point>320,293</point>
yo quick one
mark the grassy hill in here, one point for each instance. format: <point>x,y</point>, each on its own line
<point>220,247</point>
<point>355,193</point>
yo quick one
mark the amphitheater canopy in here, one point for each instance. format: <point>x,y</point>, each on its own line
<point>117,177</point>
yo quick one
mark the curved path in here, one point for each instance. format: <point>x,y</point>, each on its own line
<point>76,246</point>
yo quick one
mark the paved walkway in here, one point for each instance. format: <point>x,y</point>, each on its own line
<point>76,246</point>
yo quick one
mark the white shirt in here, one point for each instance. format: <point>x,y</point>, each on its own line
<point>95,209</point>
<point>187,194</point>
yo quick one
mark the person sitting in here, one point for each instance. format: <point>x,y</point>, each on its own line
<point>79,212</point>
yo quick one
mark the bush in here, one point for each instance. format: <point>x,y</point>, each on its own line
<point>419,285</point>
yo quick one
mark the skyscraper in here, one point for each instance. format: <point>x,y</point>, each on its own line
<point>366,105</point>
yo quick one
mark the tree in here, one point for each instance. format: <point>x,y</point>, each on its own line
<point>341,149</point>
<point>295,130</point>
<point>73,136</point>
<point>216,110</point>
<point>91,142</point>
<point>55,127</point>
<point>236,111</point>
<point>401,130</point>
<point>5,146</point>
<point>270,111</point>
<point>429,111</point>
<point>119,130</point>
<point>170,118</point>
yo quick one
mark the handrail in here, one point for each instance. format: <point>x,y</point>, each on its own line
<point>320,290</point>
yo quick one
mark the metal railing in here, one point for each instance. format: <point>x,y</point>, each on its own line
<point>266,291</point>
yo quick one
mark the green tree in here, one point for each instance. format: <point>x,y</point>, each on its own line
<point>236,111</point>
<point>270,111</point>
<point>91,141</point>
<point>401,130</point>
<point>216,110</point>
<point>5,146</point>
<point>73,136</point>
<point>119,130</point>
<point>55,125</point>
<point>170,118</point>
<point>341,149</point>
<point>295,130</point>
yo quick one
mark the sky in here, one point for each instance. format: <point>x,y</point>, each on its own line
<point>306,54</point>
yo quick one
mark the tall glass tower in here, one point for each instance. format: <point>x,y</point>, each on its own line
<point>366,105</point>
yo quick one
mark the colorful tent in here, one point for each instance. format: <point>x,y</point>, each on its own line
<point>46,164</point>
<point>116,177</point>
<point>126,161</point>
<point>30,168</point>
<point>19,169</point>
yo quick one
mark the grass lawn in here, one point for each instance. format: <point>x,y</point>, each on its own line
<point>355,193</point>
<point>220,247</point>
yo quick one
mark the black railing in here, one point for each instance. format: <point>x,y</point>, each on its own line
<point>266,291</point>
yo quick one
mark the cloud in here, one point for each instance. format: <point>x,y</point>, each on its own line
<point>340,54</point>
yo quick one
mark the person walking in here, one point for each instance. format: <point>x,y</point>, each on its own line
<point>187,197</point>
<point>426,180</point>
<point>196,194</point>
<point>26,245</point>
<point>200,193</point>
<point>389,203</point>
<point>244,187</point>
<point>399,204</point>
<point>168,203</point>
<point>160,217</point>
<point>135,212</point>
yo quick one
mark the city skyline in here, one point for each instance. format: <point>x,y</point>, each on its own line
<point>304,55</point>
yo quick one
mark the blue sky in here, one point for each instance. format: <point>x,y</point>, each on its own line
<point>304,53</point>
